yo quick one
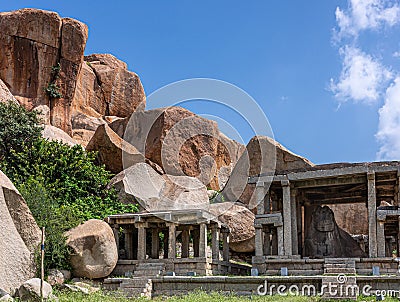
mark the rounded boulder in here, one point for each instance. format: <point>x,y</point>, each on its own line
<point>94,249</point>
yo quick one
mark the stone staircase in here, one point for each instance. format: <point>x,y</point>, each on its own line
<point>137,287</point>
<point>339,279</point>
<point>149,270</point>
<point>140,284</point>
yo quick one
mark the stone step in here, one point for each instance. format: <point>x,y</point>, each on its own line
<point>340,270</point>
<point>339,287</point>
<point>152,273</point>
<point>137,286</point>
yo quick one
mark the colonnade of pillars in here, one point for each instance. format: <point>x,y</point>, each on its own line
<point>137,249</point>
<point>290,211</point>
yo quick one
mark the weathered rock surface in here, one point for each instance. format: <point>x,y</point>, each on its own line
<point>240,221</point>
<point>353,218</point>
<point>4,296</point>
<point>19,237</point>
<point>112,150</point>
<point>154,192</point>
<point>5,94</point>
<point>182,143</point>
<point>30,291</point>
<point>263,155</point>
<point>32,42</point>
<point>58,277</point>
<point>325,239</point>
<point>55,134</point>
<point>94,249</point>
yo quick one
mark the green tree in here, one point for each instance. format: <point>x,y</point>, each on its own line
<point>18,128</point>
<point>62,185</point>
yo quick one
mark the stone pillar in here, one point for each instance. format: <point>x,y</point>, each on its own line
<point>128,232</point>
<point>372,215</point>
<point>225,244</point>
<point>287,219</point>
<point>267,243</point>
<point>171,240</point>
<point>203,240</point>
<point>115,228</point>
<point>141,252</point>
<point>281,248</point>
<point>259,240</point>
<point>380,236</point>
<point>215,242</point>
<point>293,206</point>
<point>260,195</point>
<point>185,243</point>
<point>155,243</point>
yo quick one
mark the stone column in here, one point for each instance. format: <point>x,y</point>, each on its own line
<point>225,244</point>
<point>380,236</point>
<point>141,252</point>
<point>281,248</point>
<point>115,228</point>
<point>260,195</point>
<point>185,243</point>
<point>372,215</point>
<point>128,232</point>
<point>171,240</point>
<point>267,243</point>
<point>215,242</point>
<point>259,240</point>
<point>203,241</point>
<point>155,243</point>
<point>293,205</point>
<point>287,219</point>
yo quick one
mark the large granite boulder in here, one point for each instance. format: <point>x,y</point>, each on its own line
<point>56,134</point>
<point>240,221</point>
<point>353,218</point>
<point>19,237</point>
<point>182,143</point>
<point>33,42</point>
<point>105,87</point>
<point>112,150</point>
<point>324,238</point>
<point>94,250</point>
<point>30,291</point>
<point>265,156</point>
<point>141,184</point>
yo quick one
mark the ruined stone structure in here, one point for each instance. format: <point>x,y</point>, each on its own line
<point>140,250</point>
<point>295,224</point>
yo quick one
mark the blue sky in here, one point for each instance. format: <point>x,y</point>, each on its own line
<point>324,72</point>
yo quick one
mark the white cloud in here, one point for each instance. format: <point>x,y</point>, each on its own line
<point>389,124</point>
<point>362,78</point>
<point>366,14</point>
<point>396,54</point>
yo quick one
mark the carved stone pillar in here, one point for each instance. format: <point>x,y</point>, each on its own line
<point>215,241</point>
<point>185,243</point>
<point>155,243</point>
<point>225,244</point>
<point>287,219</point>
<point>259,240</point>
<point>171,240</point>
<point>141,252</point>
<point>203,240</point>
<point>128,232</point>
<point>372,215</point>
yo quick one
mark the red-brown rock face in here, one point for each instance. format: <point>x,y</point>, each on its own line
<point>32,43</point>
<point>39,48</point>
<point>182,143</point>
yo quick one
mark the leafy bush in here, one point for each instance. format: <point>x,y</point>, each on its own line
<point>62,185</point>
<point>18,128</point>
